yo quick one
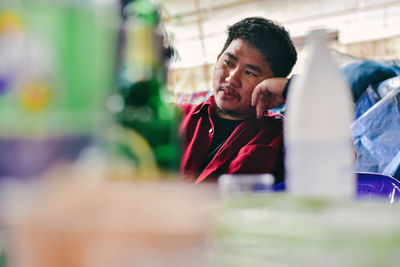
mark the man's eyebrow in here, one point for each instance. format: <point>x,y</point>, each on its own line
<point>232,56</point>
<point>250,66</point>
<point>255,68</point>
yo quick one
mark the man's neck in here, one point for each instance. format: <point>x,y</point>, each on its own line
<point>230,116</point>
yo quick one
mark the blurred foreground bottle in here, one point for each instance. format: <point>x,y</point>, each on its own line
<point>319,153</point>
<point>141,91</point>
<point>57,65</point>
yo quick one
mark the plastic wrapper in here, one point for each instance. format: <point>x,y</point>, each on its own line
<point>376,133</point>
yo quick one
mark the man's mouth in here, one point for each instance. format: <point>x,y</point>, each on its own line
<point>229,93</point>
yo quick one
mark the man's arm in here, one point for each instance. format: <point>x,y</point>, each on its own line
<point>268,94</point>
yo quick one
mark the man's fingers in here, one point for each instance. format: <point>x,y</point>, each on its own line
<point>255,95</point>
<point>262,102</point>
<point>268,94</point>
<point>261,99</point>
<point>260,110</point>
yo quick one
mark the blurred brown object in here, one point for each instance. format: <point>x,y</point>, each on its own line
<point>105,223</point>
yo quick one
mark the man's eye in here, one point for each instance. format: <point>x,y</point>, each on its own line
<point>250,73</point>
<point>228,62</point>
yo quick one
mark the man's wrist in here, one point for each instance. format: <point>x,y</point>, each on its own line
<point>286,89</point>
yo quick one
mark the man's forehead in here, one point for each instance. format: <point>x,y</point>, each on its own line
<point>242,51</point>
<point>240,47</point>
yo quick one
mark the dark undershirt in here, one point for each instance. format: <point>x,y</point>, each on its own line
<point>223,128</point>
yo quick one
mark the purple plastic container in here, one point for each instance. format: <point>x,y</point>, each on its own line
<point>29,157</point>
<point>370,186</point>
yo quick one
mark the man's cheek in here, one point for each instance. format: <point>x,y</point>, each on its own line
<point>219,75</point>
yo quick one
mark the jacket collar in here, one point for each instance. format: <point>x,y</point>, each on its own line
<point>207,106</point>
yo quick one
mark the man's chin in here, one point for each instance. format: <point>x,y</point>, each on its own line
<point>229,111</point>
<point>226,111</point>
<point>223,103</point>
<point>224,107</point>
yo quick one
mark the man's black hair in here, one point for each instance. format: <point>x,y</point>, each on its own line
<point>271,39</point>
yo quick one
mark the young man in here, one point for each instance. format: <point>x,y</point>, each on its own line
<point>231,132</point>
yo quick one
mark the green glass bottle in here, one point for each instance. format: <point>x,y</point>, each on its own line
<point>142,85</point>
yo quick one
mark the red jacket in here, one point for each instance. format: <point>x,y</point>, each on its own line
<point>255,146</point>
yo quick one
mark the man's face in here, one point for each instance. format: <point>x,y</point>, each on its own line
<point>237,71</point>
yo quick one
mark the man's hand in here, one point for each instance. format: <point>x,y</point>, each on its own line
<point>268,94</point>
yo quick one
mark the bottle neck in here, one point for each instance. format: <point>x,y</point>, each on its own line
<point>318,39</point>
<point>143,42</point>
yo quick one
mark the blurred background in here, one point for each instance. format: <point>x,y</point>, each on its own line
<point>359,29</point>
<point>66,91</point>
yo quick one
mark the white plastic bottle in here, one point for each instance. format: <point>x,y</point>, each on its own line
<point>319,152</point>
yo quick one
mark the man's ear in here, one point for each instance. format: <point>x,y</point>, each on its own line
<point>219,55</point>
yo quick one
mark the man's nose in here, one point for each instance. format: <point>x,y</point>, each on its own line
<point>234,77</point>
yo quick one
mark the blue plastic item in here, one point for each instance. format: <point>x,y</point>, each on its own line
<point>369,98</point>
<point>376,133</point>
<point>362,73</point>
